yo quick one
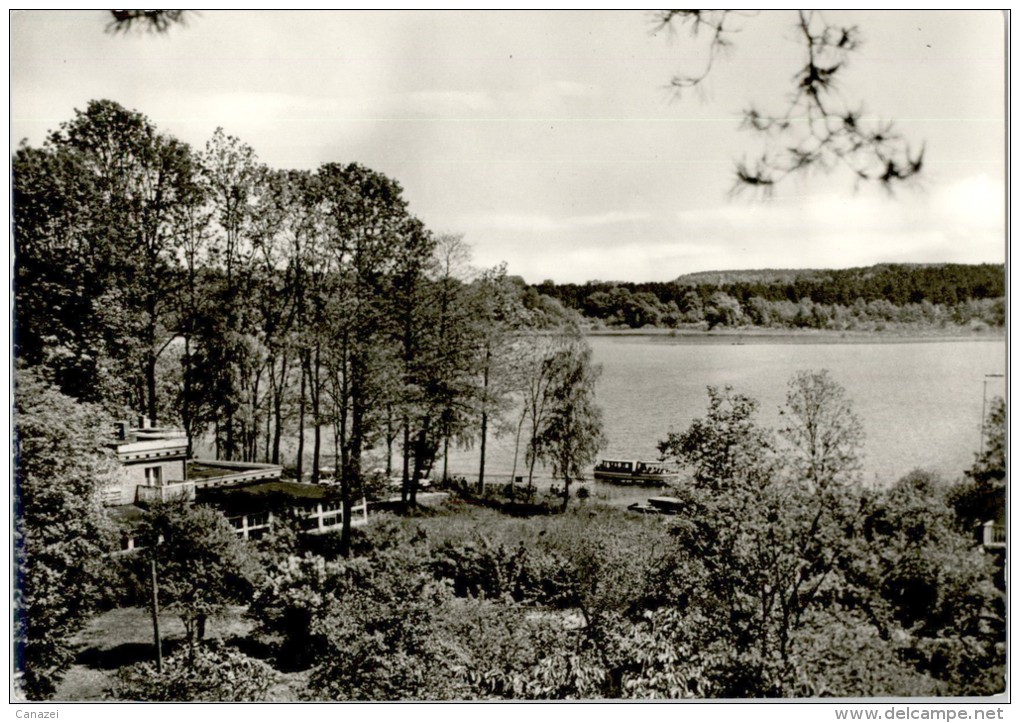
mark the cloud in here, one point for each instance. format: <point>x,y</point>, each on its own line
<point>546,223</point>
<point>536,100</point>
<point>978,200</point>
<point>960,223</point>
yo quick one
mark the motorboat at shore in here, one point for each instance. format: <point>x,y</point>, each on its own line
<point>631,472</point>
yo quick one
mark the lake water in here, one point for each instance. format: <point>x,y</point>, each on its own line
<point>920,403</point>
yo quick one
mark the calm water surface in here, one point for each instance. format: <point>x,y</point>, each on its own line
<point>920,403</point>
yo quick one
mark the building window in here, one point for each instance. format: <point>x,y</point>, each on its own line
<point>154,476</point>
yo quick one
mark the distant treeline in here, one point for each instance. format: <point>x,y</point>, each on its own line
<point>870,297</point>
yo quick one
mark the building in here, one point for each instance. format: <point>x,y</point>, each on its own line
<point>252,496</point>
<point>992,534</point>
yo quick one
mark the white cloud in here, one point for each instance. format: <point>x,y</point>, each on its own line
<point>976,200</point>
<point>545,223</point>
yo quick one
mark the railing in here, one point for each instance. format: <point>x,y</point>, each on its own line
<point>111,496</point>
<point>162,493</point>
<point>321,520</point>
<point>315,521</point>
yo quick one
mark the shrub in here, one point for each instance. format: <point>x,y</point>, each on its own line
<point>297,592</point>
<point>211,672</point>
<point>380,631</point>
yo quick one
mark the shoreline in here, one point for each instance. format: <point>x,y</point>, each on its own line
<point>757,335</point>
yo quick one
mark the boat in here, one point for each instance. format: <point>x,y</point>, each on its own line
<point>630,472</point>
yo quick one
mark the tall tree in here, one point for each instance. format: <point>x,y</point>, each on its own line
<point>573,434</point>
<point>982,497</point>
<point>822,429</point>
<point>363,215</point>
<point>233,178</point>
<point>63,264</point>
<point>500,316</point>
<point>193,403</point>
<point>537,380</point>
<point>142,177</point>
<point>764,540</point>
<point>115,211</point>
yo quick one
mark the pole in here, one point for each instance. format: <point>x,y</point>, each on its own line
<point>155,617</point>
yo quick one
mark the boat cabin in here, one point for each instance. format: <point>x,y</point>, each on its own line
<point>634,472</point>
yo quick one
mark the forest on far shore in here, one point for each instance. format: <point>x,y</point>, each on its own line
<point>873,298</point>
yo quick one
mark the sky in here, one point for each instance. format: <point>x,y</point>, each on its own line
<point>549,139</point>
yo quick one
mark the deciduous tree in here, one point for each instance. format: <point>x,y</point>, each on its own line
<point>572,435</point>
<point>824,433</point>
<point>201,564</point>
<point>61,535</point>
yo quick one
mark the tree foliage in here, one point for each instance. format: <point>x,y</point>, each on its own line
<point>60,532</point>
<point>154,21</point>
<point>573,434</point>
<point>780,549</point>
<point>982,496</point>
<point>817,128</point>
<point>868,298</point>
<point>201,564</point>
<point>822,430</point>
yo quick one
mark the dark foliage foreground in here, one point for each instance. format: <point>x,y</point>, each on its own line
<point>781,577</point>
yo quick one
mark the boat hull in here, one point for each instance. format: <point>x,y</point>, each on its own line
<point>631,478</point>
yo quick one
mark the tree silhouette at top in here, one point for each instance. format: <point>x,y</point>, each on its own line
<point>817,128</point>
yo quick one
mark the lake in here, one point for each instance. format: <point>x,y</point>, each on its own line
<point>920,403</point>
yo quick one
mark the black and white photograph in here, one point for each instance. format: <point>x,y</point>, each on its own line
<point>492,355</point>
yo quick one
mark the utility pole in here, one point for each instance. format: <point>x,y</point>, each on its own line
<point>155,617</point>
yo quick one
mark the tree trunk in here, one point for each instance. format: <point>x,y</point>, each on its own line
<point>390,436</point>
<point>229,441</point>
<point>481,456</point>
<point>421,455</point>
<point>278,403</point>
<point>405,480</point>
<point>316,417</point>
<point>301,426</point>
<point>187,412</point>
<point>267,445</point>
<point>517,447</point>
<point>446,459</point>
<point>150,385</point>
<point>485,420</point>
<point>532,459</point>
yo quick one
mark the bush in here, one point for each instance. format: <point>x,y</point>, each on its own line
<point>381,636</point>
<point>523,574</point>
<point>296,593</point>
<point>209,672</point>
